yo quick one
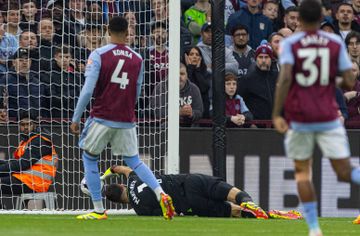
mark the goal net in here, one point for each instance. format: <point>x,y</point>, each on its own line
<point>59,36</point>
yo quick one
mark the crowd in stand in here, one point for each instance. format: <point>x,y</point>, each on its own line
<point>44,46</point>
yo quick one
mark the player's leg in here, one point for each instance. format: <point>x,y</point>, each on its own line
<point>299,146</point>
<point>249,208</point>
<point>93,141</point>
<point>124,142</point>
<point>335,145</point>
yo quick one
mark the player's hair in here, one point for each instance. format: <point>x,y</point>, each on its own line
<point>29,1</point>
<point>310,11</point>
<point>118,24</point>
<point>113,193</point>
<point>230,77</point>
<point>352,34</point>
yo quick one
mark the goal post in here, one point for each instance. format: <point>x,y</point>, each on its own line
<point>174,64</point>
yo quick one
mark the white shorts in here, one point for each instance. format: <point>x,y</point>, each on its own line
<point>334,144</point>
<point>95,137</point>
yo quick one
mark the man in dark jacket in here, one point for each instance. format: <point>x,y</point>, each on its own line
<point>260,27</point>
<point>23,88</point>
<point>258,86</point>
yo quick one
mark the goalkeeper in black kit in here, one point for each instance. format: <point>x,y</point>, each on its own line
<point>192,194</point>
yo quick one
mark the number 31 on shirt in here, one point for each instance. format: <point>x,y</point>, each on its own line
<point>310,55</point>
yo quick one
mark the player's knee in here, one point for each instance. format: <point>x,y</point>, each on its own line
<point>343,174</point>
<point>302,175</point>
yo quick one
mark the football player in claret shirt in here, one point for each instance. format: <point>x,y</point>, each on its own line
<point>193,194</point>
<point>310,61</point>
<point>114,75</point>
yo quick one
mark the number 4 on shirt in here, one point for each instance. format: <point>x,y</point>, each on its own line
<point>123,81</point>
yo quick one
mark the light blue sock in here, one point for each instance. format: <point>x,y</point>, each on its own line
<point>311,214</point>
<point>355,175</point>
<point>142,171</point>
<point>92,176</point>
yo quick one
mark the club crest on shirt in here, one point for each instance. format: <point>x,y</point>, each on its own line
<point>261,26</point>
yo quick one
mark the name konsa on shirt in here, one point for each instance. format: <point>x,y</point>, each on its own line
<point>118,52</point>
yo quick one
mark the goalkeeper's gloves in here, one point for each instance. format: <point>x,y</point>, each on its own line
<point>108,174</point>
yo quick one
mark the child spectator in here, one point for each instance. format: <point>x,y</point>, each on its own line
<point>29,16</point>
<point>236,110</point>
<point>271,10</point>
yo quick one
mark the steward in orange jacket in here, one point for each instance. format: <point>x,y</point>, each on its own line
<point>33,166</point>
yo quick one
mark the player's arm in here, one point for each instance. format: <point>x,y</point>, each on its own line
<point>91,77</point>
<point>140,81</point>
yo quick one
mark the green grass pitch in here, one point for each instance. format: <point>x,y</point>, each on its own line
<point>122,225</point>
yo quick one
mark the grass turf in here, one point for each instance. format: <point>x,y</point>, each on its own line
<point>53,225</point>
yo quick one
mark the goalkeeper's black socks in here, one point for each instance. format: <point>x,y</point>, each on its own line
<point>242,196</point>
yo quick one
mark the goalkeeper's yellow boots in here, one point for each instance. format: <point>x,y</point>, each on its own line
<point>254,209</point>
<point>92,216</point>
<point>286,215</point>
<point>167,206</point>
<point>357,220</point>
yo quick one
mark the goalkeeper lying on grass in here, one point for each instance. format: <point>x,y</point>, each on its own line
<point>192,194</point>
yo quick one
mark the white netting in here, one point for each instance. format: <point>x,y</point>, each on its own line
<point>59,36</point>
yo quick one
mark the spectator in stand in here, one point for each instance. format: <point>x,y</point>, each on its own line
<point>285,32</point>
<point>156,57</point>
<point>345,20</point>
<point>231,65</point>
<point>11,13</point>
<point>196,16</point>
<point>258,86</point>
<point>94,12</point>
<point>160,10</point>
<point>65,33</point>
<point>190,102</point>
<point>89,39</point>
<point>29,15</point>
<point>29,41</point>
<point>327,26</point>
<point>352,42</point>
<point>8,46</point>
<point>356,7</point>
<point>198,74</point>
<point>191,107</point>
<point>274,42</point>
<point>63,84</point>
<point>76,15</point>
<point>259,26</point>
<point>352,97</point>
<point>271,10</point>
<point>46,33</point>
<point>291,18</point>
<point>327,11</point>
<point>237,113</point>
<point>231,6</point>
<point>243,53</point>
<point>23,87</point>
